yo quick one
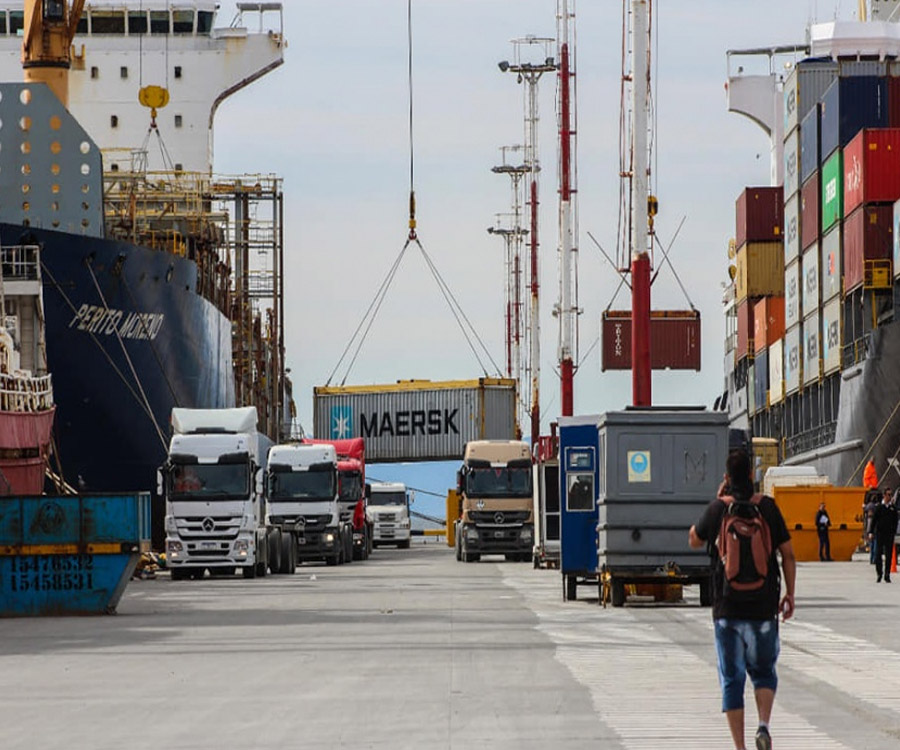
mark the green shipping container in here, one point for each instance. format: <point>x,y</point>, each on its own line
<point>832,190</point>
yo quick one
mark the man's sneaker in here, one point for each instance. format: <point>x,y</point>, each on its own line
<point>763,739</point>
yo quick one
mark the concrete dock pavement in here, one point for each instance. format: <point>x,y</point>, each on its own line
<point>412,649</point>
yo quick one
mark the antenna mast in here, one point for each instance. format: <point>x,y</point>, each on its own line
<point>567,308</point>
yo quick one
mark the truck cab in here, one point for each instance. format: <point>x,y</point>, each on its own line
<point>495,484</point>
<point>215,517</point>
<point>389,505</point>
<point>302,486</point>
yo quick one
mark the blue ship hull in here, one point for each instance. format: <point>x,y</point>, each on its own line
<point>128,338</point>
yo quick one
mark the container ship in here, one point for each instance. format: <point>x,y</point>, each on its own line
<point>161,281</point>
<point>812,305</point>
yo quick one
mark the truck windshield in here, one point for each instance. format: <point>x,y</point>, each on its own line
<point>351,486</point>
<point>206,481</point>
<point>388,498</point>
<point>499,482</point>
<point>301,485</point>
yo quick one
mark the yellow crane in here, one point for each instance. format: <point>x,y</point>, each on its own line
<point>47,43</point>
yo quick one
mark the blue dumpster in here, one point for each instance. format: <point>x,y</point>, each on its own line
<point>69,555</point>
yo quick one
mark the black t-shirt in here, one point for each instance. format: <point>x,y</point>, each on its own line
<point>708,530</point>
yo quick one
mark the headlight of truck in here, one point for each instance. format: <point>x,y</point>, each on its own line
<point>329,538</point>
<point>242,547</point>
<point>472,533</point>
<point>174,548</point>
<point>525,534</point>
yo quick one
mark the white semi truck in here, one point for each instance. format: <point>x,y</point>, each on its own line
<point>302,487</point>
<point>389,505</point>
<point>216,515</point>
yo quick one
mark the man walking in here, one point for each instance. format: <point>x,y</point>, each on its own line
<point>823,522</point>
<point>884,527</point>
<point>746,601</point>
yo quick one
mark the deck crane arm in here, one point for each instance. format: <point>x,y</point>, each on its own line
<point>49,29</point>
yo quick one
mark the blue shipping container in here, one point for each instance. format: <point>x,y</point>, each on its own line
<point>848,106</point>
<point>69,555</point>
<point>761,385</point>
<point>809,144</point>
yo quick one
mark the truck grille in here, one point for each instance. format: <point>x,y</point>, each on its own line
<point>316,523</point>
<point>498,517</point>
<point>206,527</point>
<point>386,518</point>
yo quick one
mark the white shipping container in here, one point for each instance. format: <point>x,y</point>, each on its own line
<point>896,239</point>
<point>830,268</point>
<point>809,302</point>
<point>776,372</point>
<point>831,336</point>
<point>792,229</point>
<point>793,360</point>
<point>792,163</point>
<point>792,294</point>
<point>751,389</point>
<point>417,420</point>
<point>803,88</point>
<point>811,348</point>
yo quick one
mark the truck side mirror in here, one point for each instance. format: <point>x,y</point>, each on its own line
<point>412,496</point>
<point>368,491</point>
<point>160,477</point>
<point>459,482</point>
<point>259,477</point>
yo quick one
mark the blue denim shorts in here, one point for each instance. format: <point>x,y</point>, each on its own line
<point>746,647</point>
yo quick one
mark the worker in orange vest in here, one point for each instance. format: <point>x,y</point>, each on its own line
<point>870,477</point>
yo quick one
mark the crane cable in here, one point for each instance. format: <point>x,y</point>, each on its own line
<point>462,320</point>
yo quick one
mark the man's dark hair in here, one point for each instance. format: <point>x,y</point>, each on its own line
<point>738,469</point>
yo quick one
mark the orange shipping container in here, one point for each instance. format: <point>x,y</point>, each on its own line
<point>768,322</point>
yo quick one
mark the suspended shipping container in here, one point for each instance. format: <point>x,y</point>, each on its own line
<point>793,360</point>
<point>792,229</point>
<point>804,86</point>
<point>810,220</point>
<point>417,420</point>
<point>792,163</point>
<point>792,285</point>
<point>868,236</point>
<point>745,328</point>
<point>809,302</point>
<point>760,270</point>
<point>811,348</point>
<point>831,336</point>
<point>674,340</point>
<point>809,144</point>
<point>761,380</point>
<point>848,106</point>
<point>831,262</point>
<point>872,168</point>
<point>776,372</point>
<point>759,215</point>
<point>832,191</point>
<point>768,322</point>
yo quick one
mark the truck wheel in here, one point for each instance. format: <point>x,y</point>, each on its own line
<point>471,557</point>
<point>273,544</point>
<point>348,545</point>
<point>287,555</point>
<point>262,562</point>
<point>197,573</point>
<point>179,574</point>
<point>618,592</point>
<point>571,583</point>
<point>249,571</point>
<point>458,551</point>
<point>706,593</point>
<point>403,545</point>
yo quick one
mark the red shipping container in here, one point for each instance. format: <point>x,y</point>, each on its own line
<point>760,215</point>
<point>868,235</point>
<point>872,168</point>
<point>674,340</point>
<point>809,211</point>
<point>768,322</point>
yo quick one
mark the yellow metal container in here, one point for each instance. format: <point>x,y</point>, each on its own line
<point>760,270</point>
<point>765,454</point>
<point>454,512</point>
<point>799,506</point>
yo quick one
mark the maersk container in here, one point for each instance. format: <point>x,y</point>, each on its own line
<point>761,382</point>
<point>803,88</point>
<point>868,236</point>
<point>793,360</point>
<point>832,250</point>
<point>809,144</point>
<point>776,372</point>
<point>792,229</point>
<point>792,286</point>
<point>848,106</point>
<point>810,220</point>
<point>810,296</point>
<point>872,168</point>
<point>417,419</point>
<point>791,163</point>
<point>759,215</point>
<point>768,322</point>
<point>811,348</point>
<point>760,270</point>
<point>675,338</point>
<point>831,336</point>
<point>832,202</point>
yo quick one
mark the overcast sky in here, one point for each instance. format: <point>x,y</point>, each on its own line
<point>333,122</point>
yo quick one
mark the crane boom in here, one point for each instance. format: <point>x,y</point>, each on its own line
<point>49,29</point>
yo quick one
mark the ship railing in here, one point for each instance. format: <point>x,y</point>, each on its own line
<point>20,262</point>
<point>25,393</point>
